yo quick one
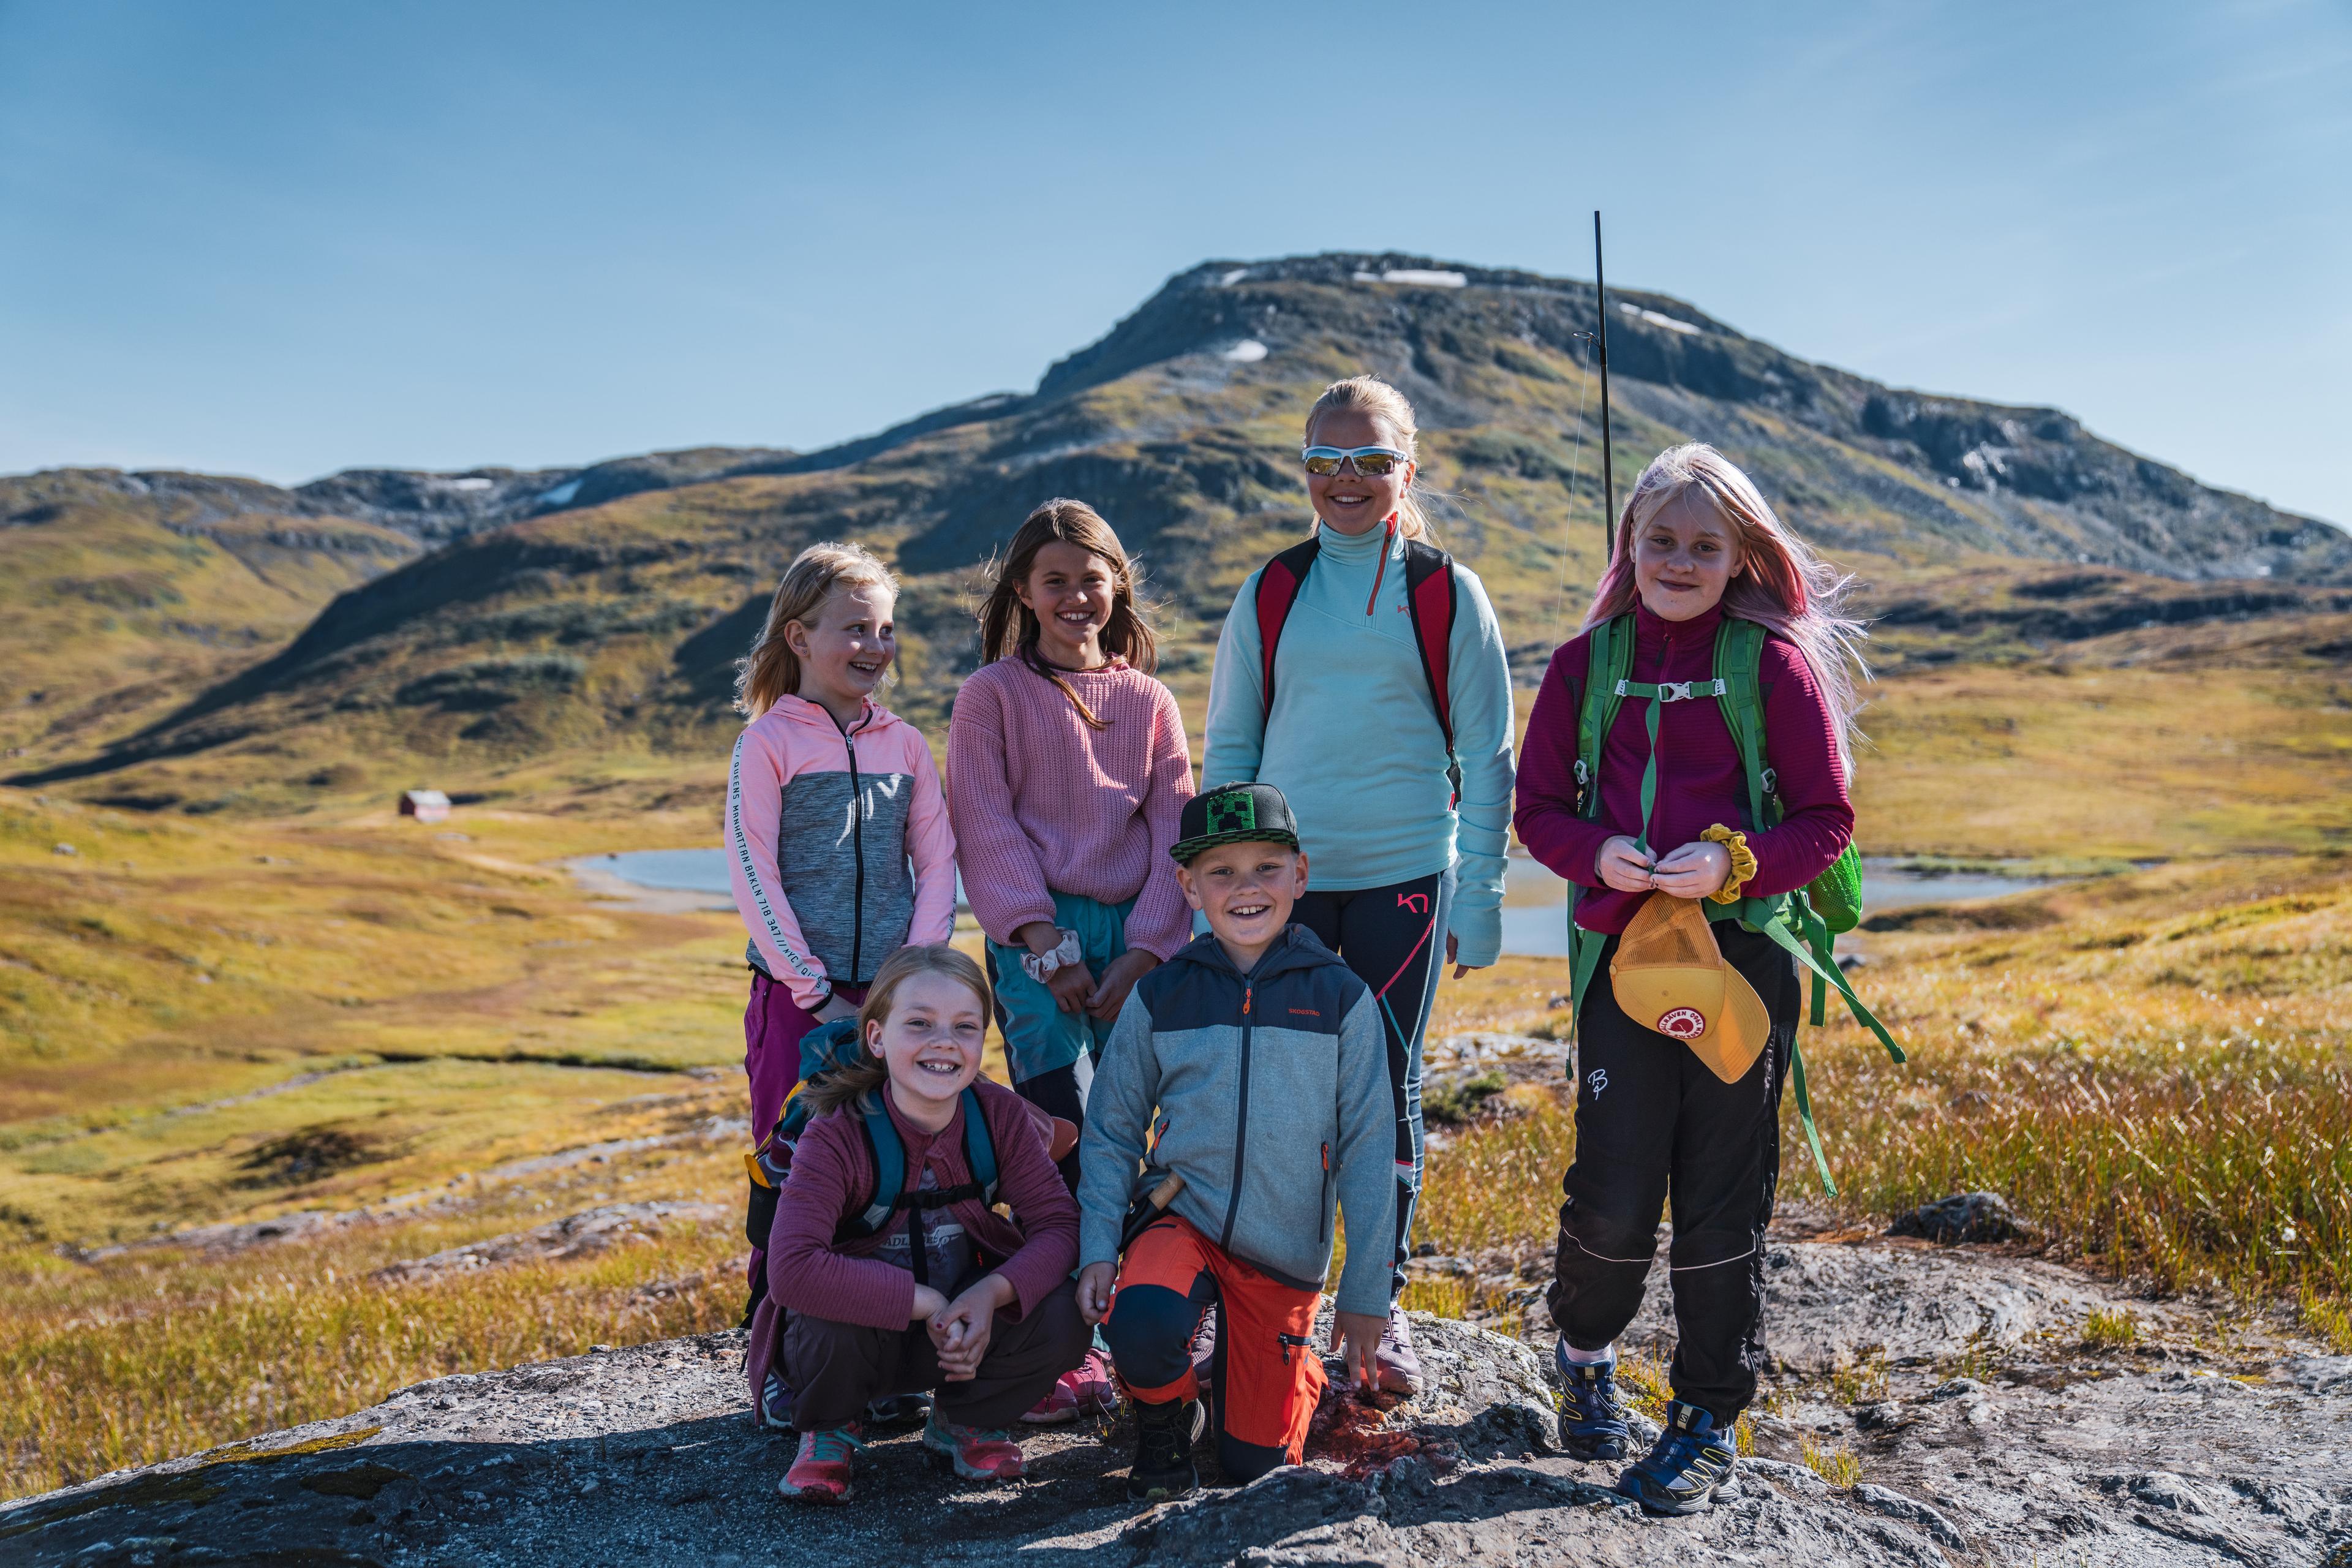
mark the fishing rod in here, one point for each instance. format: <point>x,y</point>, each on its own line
<point>1608,472</point>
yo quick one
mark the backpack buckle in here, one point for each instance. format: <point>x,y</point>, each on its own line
<point>1772,782</point>
<point>1674,691</point>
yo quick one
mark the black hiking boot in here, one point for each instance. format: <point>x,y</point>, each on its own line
<point>1164,1436</point>
<point>1591,1424</point>
<point>1680,1473</point>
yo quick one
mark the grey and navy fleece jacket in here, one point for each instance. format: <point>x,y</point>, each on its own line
<point>1274,1105</point>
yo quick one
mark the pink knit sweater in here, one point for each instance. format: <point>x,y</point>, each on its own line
<point>1042,803</point>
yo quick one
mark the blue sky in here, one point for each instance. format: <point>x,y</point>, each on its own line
<point>286,239</point>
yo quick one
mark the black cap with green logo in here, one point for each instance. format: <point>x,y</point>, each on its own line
<point>1235,814</point>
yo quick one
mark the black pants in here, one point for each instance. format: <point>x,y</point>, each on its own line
<point>1651,1119</point>
<point>1393,937</point>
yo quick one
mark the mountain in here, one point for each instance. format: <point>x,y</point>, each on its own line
<point>122,597</point>
<point>601,623</point>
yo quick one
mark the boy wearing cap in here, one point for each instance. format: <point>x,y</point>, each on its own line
<point>1264,1056</point>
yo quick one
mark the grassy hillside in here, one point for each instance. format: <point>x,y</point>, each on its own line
<point>592,641</point>
<point>117,606</point>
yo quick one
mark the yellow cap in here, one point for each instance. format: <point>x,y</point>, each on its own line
<point>1669,975</point>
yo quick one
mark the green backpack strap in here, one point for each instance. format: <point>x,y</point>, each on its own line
<point>1609,658</point>
<point>1739,656</point>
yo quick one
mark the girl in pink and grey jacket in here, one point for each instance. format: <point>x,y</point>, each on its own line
<point>838,835</point>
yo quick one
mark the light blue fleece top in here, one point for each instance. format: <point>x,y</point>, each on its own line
<point>1353,740</point>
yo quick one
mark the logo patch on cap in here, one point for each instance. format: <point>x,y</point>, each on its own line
<point>1683,1022</point>
<point>1235,813</point>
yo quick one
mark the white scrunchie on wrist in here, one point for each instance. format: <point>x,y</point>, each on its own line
<point>1041,966</point>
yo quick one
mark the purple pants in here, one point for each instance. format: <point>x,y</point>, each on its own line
<point>773,1025</point>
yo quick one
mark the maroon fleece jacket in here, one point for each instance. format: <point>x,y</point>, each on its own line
<point>1700,780</point>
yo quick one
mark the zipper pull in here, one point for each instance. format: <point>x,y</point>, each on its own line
<point>1247,991</point>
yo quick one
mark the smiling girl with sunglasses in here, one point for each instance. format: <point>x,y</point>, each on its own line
<point>1362,672</point>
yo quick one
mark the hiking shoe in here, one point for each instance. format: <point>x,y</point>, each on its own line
<point>1164,1436</point>
<point>1680,1473</point>
<point>898,1409</point>
<point>1084,1390</point>
<point>1400,1368</point>
<point>976,1454</point>
<point>775,1404</point>
<point>820,1472</point>
<point>1592,1426</point>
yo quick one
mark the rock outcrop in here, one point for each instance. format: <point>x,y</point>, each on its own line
<point>1951,1391</point>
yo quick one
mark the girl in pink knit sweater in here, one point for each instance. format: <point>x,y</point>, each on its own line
<point>1067,772</point>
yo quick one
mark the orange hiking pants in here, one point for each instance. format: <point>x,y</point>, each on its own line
<point>1269,1375</point>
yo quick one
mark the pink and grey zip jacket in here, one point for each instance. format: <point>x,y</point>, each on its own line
<point>822,823</point>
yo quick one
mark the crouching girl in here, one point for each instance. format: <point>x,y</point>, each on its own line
<point>874,1291</point>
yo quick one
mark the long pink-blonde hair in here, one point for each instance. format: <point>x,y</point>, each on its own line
<point>1782,585</point>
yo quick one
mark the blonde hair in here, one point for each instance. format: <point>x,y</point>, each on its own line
<point>869,1072</point>
<point>771,669</point>
<point>1008,628</point>
<point>1370,395</point>
<point>1782,585</point>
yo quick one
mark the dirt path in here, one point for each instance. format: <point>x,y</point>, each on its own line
<point>2194,1446</point>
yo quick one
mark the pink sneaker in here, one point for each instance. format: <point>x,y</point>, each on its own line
<point>1084,1390</point>
<point>820,1472</point>
<point>977,1455</point>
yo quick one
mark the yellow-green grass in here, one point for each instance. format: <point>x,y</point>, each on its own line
<point>2087,761</point>
<point>152,1353</point>
<point>165,962</point>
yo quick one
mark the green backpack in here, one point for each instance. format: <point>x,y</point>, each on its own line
<point>1806,922</point>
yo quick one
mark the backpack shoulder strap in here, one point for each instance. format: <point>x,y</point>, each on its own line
<point>1429,600</point>
<point>979,1148</point>
<point>1739,653</point>
<point>888,1153</point>
<point>1278,590</point>
<point>1609,659</point>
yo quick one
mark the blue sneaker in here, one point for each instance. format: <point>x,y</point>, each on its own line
<point>1591,1427</point>
<point>1683,1469</point>
<point>775,1404</point>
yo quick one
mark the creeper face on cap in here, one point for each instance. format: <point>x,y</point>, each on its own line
<point>1233,813</point>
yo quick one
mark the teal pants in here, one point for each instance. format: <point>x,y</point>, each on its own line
<point>1039,1038</point>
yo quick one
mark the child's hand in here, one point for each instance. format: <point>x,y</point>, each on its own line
<point>1119,978</point>
<point>1621,866</point>
<point>837,1007</point>
<point>1357,1337</point>
<point>1071,985</point>
<point>1693,871</point>
<point>1095,1282</point>
<point>928,1303</point>
<point>960,1330</point>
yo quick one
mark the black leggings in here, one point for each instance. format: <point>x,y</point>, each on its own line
<point>1393,937</point>
<point>1651,1118</point>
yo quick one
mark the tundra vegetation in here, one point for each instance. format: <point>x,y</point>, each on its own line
<point>301,1102</point>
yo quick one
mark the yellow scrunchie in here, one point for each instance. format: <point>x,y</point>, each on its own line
<point>1743,861</point>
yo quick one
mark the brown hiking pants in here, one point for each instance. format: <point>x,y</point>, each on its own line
<point>835,1368</point>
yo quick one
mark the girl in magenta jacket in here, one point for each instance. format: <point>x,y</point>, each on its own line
<point>837,836</point>
<point>1696,543</point>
